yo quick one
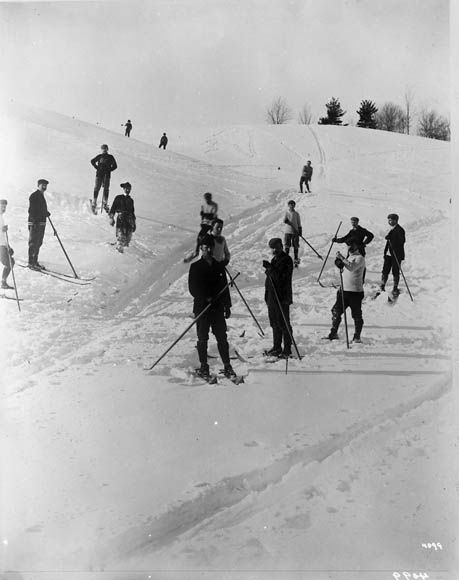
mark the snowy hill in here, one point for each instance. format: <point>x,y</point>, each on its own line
<point>115,468</point>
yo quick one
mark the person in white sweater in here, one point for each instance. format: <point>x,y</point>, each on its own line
<point>353,268</point>
<point>293,231</point>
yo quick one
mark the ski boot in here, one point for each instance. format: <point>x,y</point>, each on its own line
<point>6,286</point>
<point>228,372</point>
<point>332,336</point>
<point>105,207</point>
<point>273,352</point>
<point>296,262</point>
<point>357,339</point>
<point>93,207</point>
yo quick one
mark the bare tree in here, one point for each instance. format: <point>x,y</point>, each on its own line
<point>279,112</point>
<point>434,126</point>
<point>409,98</point>
<point>305,115</point>
<point>391,117</point>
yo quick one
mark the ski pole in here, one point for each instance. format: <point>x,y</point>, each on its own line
<point>329,250</point>
<point>203,311</point>
<point>233,283</point>
<point>344,307</point>
<point>306,241</point>
<point>62,246</point>
<point>283,315</point>
<point>401,271</point>
<point>12,269</point>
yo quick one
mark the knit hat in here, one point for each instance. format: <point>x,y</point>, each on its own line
<point>207,194</point>
<point>127,184</point>
<point>207,240</point>
<point>291,202</point>
<point>392,216</point>
<point>275,243</point>
<point>104,146</point>
<point>354,219</point>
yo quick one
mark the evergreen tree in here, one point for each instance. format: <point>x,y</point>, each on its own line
<point>334,113</point>
<point>366,115</point>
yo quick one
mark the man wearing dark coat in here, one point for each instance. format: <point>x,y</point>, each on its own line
<point>104,164</point>
<point>356,235</point>
<point>278,285</point>
<point>123,205</point>
<point>38,212</point>
<point>206,279</point>
<point>128,125</point>
<point>163,141</point>
<point>394,253</point>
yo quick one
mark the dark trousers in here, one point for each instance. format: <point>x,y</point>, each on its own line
<point>390,263</point>
<point>102,180</point>
<point>306,181</point>
<point>163,145</point>
<point>205,229</point>
<point>36,233</point>
<point>5,260</point>
<point>281,332</point>
<point>213,319</point>
<point>352,300</point>
<point>292,240</point>
<point>127,133</point>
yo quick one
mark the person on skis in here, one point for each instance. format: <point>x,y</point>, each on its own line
<point>123,206</point>
<point>353,268</point>
<point>128,125</point>
<point>306,176</point>
<point>163,141</point>
<point>38,212</point>
<point>209,211</point>
<point>293,231</point>
<point>394,253</point>
<point>278,289</point>
<point>206,279</point>
<point>6,251</point>
<point>104,164</point>
<point>221,252</point>
<point>356,234</point>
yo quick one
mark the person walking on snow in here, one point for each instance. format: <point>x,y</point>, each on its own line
<point>128,130</point>
<point>206,279</point>
<point>353,268</point>
<point>279,273</point>
<point>6,252</point>
<point>394,253</point>
<point>104,164</point>
<point>38,212</point>
<point>306,176</point>
<point>123,205</point>
<point>163,142</point>
<point>356,234</point>
<point>209,211</point>
<point>293,231</point>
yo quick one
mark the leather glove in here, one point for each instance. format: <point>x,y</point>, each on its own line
<point>227,312</point>
<point>112,221</point>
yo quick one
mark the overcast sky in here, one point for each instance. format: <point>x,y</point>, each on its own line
<point>164,63</point>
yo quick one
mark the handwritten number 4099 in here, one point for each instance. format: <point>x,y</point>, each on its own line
<point>410,576</point>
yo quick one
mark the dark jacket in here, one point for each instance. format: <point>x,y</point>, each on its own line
<point>307,171</point>
<point>281,274</point>
<point>163,141</point>
<point>38,209</point>
<point>204,282</point>
<point>123,205</point>
<point>104,163</point>
<point>359,235</point>
<point>396,237</point>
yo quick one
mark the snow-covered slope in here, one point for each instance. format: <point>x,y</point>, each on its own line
<point>114,468</point>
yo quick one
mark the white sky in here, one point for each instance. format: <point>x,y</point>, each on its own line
<point>213,62</point>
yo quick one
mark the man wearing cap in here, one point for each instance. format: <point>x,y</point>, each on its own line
<point>278,289</point>
<point>293,231</point>
<point>123,205</point>
<point>38,212</point>
<point>205,280</point>
<point>163,142</point>
<point>356,234</point>
<point>394,253</point>
<point>306,176</point>
<point>104,164</point>
<point>209,211</point>
<point>128,130</point>
<point>6,252</point>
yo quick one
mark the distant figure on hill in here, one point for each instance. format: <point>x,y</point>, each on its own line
<point>163,142</point>
<point>104,164</point>
<point>6,252</point>
<point>356,234</point>
<point>123,205</point>
<point>293,231</point>
<point>209,211</point>
<point>38,212</point>
<point>128,130</point>
<point>394,253</point>
<point>306,177</point>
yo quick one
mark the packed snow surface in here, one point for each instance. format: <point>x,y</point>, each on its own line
<point>345,463</point>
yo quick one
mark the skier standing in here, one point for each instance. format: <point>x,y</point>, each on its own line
<point>163,142</point>
<point>128,125</point>
<point>221,252</point>
<point>123,205</point>
<point>306,177</point>
<point>353,268</point>
<point>6,252</point>
<point>38,212</point>
<point>206,279</point>
<point>356,234</point>
<point>209,211</point>
<point>394,253</point>
<point>279,273</point>
<point>293,231</point>
<point>104,164</point>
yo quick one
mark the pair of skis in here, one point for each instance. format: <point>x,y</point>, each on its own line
<point>213,379</point>
<point>59,275</point>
